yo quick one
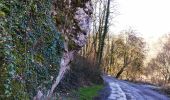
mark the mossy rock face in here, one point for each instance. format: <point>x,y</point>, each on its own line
<point>32,48</point>
<point>33,45</point>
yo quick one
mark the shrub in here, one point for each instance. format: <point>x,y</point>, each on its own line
<point>83,72</point>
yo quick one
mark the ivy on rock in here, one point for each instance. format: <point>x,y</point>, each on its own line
<point>31,48</point>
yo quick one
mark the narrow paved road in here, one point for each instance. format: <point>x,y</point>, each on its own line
<point>123,90</point>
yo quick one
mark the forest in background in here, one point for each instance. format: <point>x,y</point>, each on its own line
<point>48,49</point>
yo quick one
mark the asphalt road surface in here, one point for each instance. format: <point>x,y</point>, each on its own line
<point>123,90</point>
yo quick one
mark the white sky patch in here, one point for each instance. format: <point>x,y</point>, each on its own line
<point>151,18</point>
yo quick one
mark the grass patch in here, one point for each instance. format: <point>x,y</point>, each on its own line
<point>88,93</point>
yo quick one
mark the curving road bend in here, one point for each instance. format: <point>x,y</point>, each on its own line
<point>123,90</point>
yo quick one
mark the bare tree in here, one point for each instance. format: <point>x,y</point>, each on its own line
<point>160,65</point>
<point>134,52</point>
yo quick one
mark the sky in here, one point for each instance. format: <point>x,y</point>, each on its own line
<point>150,18</point>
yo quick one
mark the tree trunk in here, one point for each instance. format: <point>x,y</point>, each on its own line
<point>120,72</point>
<point>102,41</point>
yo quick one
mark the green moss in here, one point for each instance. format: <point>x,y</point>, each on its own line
<point>79,3</point>
<point>88,93</point>
<point>71,45</point>
<point>2,14</point>
<point>39,58</point>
